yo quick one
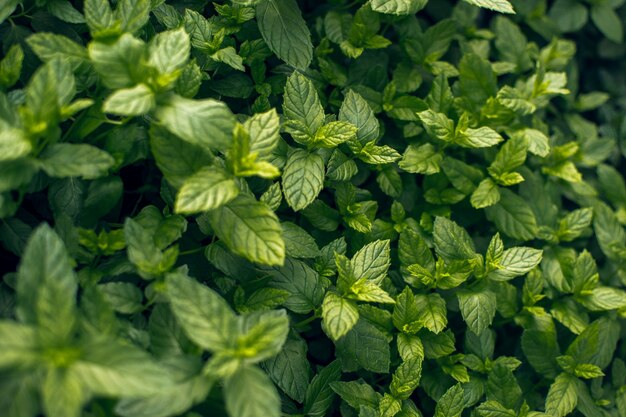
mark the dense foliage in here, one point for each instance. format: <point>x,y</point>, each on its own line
<point>358,208</point>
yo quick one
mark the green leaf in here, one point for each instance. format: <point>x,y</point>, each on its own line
<point>406,314</point>
<point>610,234</point>
<point>206,123</point>
<point>116,369</point>
<point>130,101</point>
<point>513,216</point>
<point>540,346</point>
<point>7,8</point>
<point>48,46</point>
<point>319,394</point>
<point>169,51</point>
<point>303,178</point>
<point>574,224</point>
<point>478,308</point>
<point>250,229</point>
<point>265,333</point>
<point>463,177</point>
<point>483,137</point>
<point>62,393</point>
<point>538,143</point>
<point>64,10</point>
<point>603,298</point>
<point>477,80</point>
<point>304,285</point>
<point>357,111</point>
<point>13,145</point>
<point>72,160</point>
<point>356,394</point>
<point>451,403</point>
<point>250,393</point>
<point>372,261</point>
<point>370,292</point>
<point>410,347</point>
<point>503,387</point>
<point>502,6</point>
<point>438,125</point>
<point>133,14</point>
<point>116,62</point>
<point>511,155</point>
<point>334,134</point>
<point>398,7</point>
<point>516,261</point>
<point>11,65</point>
<point>19,345</point>
<point>486,194</point>
<point>406,378</point>
<point>378,155</point>
<point>285,32</point>
<point>562,397</point>
<point>124,297</point>
<point>298,243</point>
<point>596,344</point>
<point>452,242</point>
<point>494,409</point>
<point>290,369</point>
<point>608,21</point>
<point>99,18</point>
<point>206,190</point>
<point>264,133</point>
<point>302,104</point>
<point>47,287</point>
<point>373,356</point>
<point>340,167</point>
<point>339,315</point>
<point>432,311</point>
<point>423,159</point>
<point>389,406</point>
<point>177,160</point>
<point>204,315</point>
<point>168,402</point>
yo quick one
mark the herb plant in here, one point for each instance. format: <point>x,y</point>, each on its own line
<point>264,208</point>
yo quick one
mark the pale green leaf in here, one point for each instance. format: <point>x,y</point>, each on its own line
<point>486,194</point>
<point>62,393</point>
<point>204,315</point>
<point>169,51</point>
<point>47,287</point>
<point>339,315</point>
<point>502,6</point>
<point>302,104</point>
<point>264,131</point>
<point>75,160</point>
<point>451,403</point>
<point>562,397</point>
<point>119,369</point>
<point>398,7</point>
<point>206,190</point>
<point>133,101</point>
<point>423,159</point>
<point>303,178</point>
<point>207,123</point>
<point>355,110</point>
<point>250,229</point>
<point>432,311</point>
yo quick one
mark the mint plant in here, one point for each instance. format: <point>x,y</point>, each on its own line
<point>251,208</point>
